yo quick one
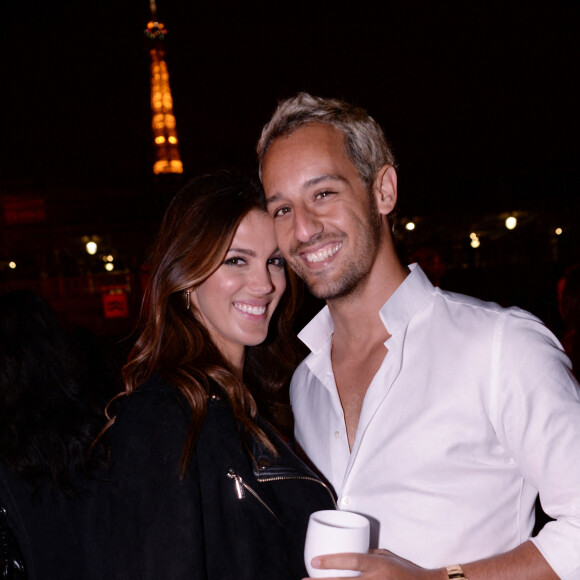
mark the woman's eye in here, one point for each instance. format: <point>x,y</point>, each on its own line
<point>323,194</point>
<point>277,261</point>
<point>235,261</point>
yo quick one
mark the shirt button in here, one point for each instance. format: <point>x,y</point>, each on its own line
<point>345,500</point>
<point>337,434</point>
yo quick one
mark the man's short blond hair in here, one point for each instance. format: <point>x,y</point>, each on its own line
<point>364,140</point>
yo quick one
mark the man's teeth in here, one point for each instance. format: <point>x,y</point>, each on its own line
<point>323,254</point>
<point>255,310</point>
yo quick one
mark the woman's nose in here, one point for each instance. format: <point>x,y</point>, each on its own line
<point>262,281</point>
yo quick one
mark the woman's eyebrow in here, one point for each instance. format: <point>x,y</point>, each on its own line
<point>242,251</point>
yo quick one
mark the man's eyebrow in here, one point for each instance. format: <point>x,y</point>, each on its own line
<point>320,178</point>
<point>275,198</point>
<point>310,183</point>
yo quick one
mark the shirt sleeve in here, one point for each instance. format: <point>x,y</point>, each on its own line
<point>538,417</point>
<point>156,529</point>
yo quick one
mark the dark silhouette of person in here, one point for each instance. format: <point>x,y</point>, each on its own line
<point>431,263</point>
<point>569,306</point>
<point>49,479</point>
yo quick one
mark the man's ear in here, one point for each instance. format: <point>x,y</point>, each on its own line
<point>385,189</point>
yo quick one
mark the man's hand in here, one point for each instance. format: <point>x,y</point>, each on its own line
<point>378,565</point>
<point>524,563</point>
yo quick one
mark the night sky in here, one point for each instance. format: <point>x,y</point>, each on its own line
<point>469,96</point>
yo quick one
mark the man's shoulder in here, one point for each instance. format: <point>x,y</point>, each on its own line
<point>465,300</point>
<point>455,300</point>
<point>511,326</point>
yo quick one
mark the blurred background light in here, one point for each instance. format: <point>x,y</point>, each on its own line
<point>511,222</point>
<point>91,248</point>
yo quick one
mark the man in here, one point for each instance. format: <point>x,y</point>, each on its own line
<point>436,415</point>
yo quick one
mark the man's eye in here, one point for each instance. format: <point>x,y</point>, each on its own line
<point>323,194</point>
<point>281,211</point>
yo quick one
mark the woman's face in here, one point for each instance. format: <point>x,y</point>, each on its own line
<point>237,301</point>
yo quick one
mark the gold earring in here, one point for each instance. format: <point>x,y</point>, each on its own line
<point>187,299</point>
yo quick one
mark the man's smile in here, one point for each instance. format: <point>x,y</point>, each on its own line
<point>322,254</point>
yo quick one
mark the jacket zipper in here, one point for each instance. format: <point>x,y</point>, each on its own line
<point>303,477</point>
<point>242,486</point>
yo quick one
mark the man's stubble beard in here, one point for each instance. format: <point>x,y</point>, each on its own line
<point>357,268</point>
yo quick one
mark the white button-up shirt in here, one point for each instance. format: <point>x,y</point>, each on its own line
<point>473,411</point>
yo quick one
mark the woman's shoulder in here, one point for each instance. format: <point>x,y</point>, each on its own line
<point>155,401</point>
<point>155,386</point>
<point>154,391</point>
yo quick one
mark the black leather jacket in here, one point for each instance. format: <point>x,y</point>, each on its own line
<point>230,517</point>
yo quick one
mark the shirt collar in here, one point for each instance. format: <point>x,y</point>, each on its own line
<point>395,313</point>
<point>407,299</point>
<point>318,331</point>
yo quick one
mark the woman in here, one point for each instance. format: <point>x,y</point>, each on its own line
<point>202,486</point>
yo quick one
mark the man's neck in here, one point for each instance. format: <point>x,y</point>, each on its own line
<point>355,317</point>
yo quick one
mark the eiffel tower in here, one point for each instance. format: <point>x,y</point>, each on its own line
<point>166,150</point>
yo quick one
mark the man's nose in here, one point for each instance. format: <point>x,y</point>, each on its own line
<point>306,224</point>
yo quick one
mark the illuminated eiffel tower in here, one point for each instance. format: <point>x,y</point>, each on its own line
<point>166,150</point>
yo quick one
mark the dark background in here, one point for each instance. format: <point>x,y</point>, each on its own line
<point>480,102</point>
<point>463,92</point>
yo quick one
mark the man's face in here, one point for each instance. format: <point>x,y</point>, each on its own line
<point>327,226</point>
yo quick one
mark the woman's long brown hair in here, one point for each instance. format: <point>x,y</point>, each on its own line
<point>195,235</point>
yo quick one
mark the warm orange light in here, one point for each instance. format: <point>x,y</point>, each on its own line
<point>167,158</point>
<point>160,167</point>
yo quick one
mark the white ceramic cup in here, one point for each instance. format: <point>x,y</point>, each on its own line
<point>334,532</point>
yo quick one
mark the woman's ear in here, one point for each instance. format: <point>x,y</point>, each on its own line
<point>385,189</point>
